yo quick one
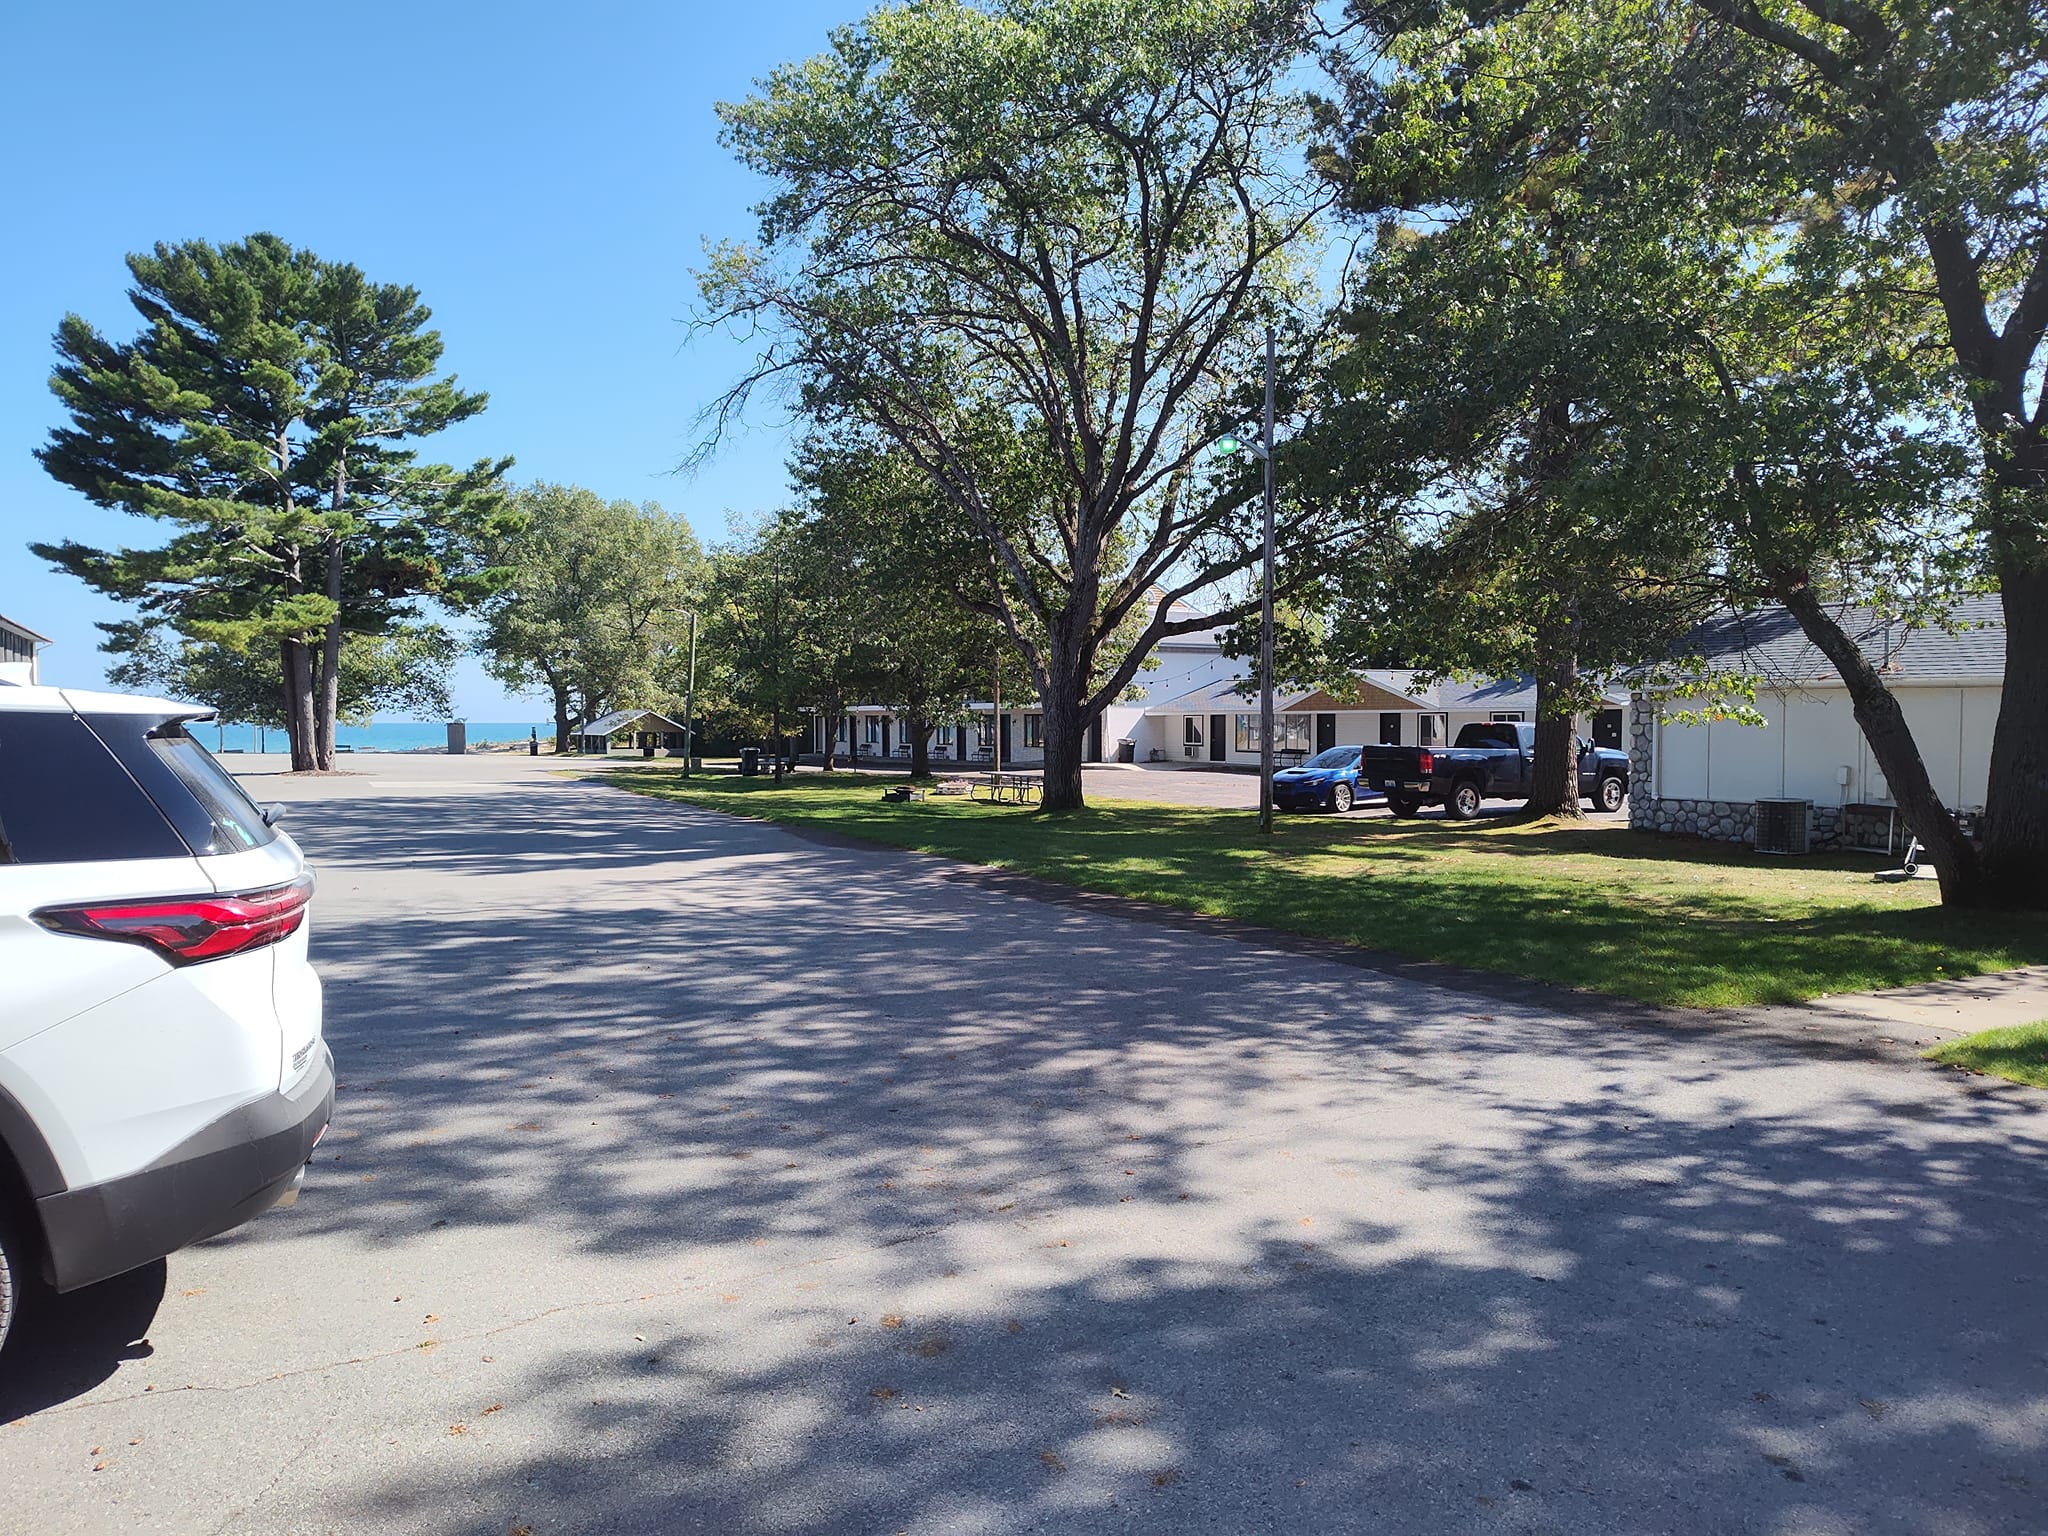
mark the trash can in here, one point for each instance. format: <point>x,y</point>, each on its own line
<point>1127,751</point>
<point>750,760</point>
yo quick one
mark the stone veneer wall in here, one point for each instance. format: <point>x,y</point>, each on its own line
<point>1729,821</point>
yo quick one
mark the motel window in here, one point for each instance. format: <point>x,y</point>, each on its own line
<point>1433,729</point>
<point>943,735</point>
<point>1191,730</point>
<point>871,730</point>
<point>1292,733</point>
<point>985,732</point>
<point>1034,730</point>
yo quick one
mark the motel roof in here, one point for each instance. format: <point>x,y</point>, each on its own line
<point>1769,643</point>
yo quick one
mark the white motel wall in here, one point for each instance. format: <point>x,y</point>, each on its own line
<point>1810,748</point>
<point>1705,779</point>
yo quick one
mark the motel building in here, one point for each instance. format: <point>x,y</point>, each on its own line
<point>1218,724</point>
<point>20,653</point>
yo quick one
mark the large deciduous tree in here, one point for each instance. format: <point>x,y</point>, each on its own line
<point>1498,334</point>
<point>268,414</point>
<point>595,604</point>
<point>911,586</point>
<point>1027,243</point>
<point>1920,128</point>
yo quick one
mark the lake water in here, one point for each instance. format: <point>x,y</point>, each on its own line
<point>377,736</point>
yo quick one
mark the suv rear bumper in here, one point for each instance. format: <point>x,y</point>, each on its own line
<point>234,1169</point>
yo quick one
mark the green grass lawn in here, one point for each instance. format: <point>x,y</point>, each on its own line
<point>1665,920</point>
<point>2019,1053</point>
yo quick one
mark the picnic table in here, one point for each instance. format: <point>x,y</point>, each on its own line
<point>1023,788</point>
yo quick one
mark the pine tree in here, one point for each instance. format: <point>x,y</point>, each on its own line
<point>265,413</point>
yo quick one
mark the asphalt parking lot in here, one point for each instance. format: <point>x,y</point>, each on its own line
<point>691,1176</point>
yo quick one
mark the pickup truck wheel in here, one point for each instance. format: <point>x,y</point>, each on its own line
<point>1464,802</point>
<point>1340,798</point>
<point>1401,805</point>
<point>1610,793</point>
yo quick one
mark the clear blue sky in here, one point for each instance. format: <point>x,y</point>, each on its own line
<point>544,174</point>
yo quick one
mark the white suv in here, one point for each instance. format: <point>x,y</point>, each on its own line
<point>162,1074</point>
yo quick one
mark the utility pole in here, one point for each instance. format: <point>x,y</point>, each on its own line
<point>690,703</point>
<point>996,721</point>
<point>776,704</point>
<point>1266,614</point>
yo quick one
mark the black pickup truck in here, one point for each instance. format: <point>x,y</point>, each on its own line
<point>1488,762</point>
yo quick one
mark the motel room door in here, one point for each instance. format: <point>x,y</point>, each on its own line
<point>1326,732</point>
<point>1216,742</point>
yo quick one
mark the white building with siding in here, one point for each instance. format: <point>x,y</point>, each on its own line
<point>20,661</point>
<point>1706,778</point>
<point>1218,723</point>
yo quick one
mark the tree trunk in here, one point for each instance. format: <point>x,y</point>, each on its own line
<point>327,703</point>
<point>2015,855</point>
<point>1061,733</point>
<point>830,716</point>
<point>920,747</point>
<point>1891,743</point>
<point>1554,776</point>
<point>562,720</point>
<point>298,703</point>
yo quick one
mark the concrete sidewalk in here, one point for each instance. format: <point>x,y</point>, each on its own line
<point>1930,1012</point>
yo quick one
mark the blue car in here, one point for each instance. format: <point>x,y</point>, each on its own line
<point>1327,781</point>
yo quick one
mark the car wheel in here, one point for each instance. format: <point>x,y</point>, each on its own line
<point>1610,794</point>
<point>1401,805</point>
<point>1340,798</point>
<point>1464,802</point>
<point>16,1269</point>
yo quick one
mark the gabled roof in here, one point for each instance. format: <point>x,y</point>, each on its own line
<point>1373,691</point>
<point>619,719</point>
<point>23,629</point>
<point>1769,643</point>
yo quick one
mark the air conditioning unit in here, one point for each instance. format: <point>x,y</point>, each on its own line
<point>1190,751</point>
<point>1784,826</point>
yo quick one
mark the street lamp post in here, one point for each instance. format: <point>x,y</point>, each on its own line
<point>1262,449</point>
<point>1266,614</point>
<point>690,703</point>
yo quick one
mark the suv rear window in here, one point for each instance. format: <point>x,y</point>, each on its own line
<point>64,800</point>
<point>200,797</point>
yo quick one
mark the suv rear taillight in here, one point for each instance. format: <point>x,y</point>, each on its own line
<point>1425,762</point>
<point>188,929</point>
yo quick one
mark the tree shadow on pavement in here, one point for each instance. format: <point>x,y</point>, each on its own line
<point>965,1213</point>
